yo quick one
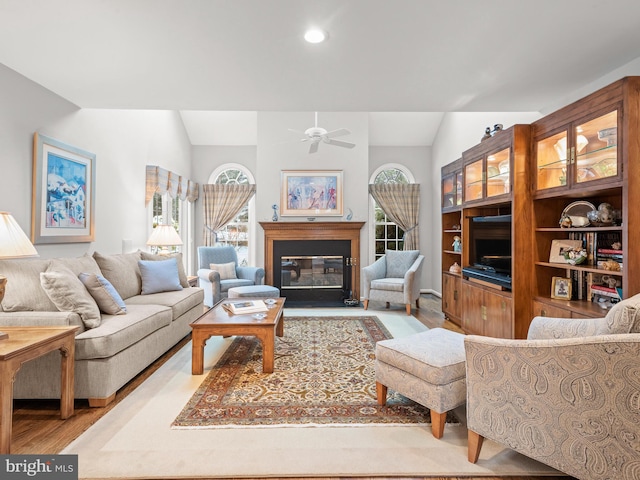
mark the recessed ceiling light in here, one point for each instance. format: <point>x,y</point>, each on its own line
<point>315,35</point>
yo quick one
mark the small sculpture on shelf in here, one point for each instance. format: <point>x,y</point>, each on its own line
<point>455,268</point>
<point>457,244</point>
<point>275,212</point>
<point>565,221</point>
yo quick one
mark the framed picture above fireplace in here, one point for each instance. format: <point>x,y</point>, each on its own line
<point>311,193</point>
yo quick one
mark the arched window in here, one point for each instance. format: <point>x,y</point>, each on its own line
<point>240,230</point>
<point>387,235</point>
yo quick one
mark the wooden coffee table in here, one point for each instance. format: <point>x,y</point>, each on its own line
<point>22,345</point>
<point>217,321</point>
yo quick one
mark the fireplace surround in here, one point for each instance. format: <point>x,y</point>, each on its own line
<point>313,263</point>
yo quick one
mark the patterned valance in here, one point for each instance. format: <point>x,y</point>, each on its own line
<point>160,180</point>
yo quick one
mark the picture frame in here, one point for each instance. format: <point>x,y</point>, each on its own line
<point>559,247</point>
<point>561,288</point>
<point>63,192</point>
<point>311,193</point>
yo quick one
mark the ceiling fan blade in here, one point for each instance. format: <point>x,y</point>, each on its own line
<point>339,143</point>
<point>313,148</point>
<point>337,133</point>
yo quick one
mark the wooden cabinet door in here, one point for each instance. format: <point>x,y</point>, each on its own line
<point>473,318</point>
<point>498,315</point>
<point>544,310</point>
<point>451,300</point>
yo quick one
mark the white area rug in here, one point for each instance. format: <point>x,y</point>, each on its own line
<point>135,439</point>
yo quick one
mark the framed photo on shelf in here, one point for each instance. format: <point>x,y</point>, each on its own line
<point>63,192</point>
<point>311,193</point>
<point>561,288</point>
<point>559,247</point>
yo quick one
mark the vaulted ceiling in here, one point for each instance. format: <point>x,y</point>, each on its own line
<point>423,57</point>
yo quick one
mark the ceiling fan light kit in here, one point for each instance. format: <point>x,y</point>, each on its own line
<point>317,134</point>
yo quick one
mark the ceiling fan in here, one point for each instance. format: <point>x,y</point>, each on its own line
<point>316,134</point>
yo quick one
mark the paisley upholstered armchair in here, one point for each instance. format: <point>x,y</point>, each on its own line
<point>568,396</point>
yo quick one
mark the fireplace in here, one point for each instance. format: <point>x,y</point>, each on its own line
<point>313,264</point>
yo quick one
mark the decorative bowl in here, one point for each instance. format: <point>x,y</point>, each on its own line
<point>575,256</point>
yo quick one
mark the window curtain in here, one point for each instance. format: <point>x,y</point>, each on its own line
<point>160,180</point>
<point>401,203</point>
<point>222,202</point>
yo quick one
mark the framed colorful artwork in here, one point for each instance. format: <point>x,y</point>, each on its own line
<point>311,193</point>
<point>63,192</point>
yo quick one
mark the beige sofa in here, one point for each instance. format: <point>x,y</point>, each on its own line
<point>110,349</point>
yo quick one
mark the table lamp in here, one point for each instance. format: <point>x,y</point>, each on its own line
<point>14,243</point>
<point>164,236</point>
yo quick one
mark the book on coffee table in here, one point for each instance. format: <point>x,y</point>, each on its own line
<point>245,306</point>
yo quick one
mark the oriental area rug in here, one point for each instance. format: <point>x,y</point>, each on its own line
<point>324,375</point>
<point>136,439</point>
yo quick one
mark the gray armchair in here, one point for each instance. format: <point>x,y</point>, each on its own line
<point>215,287</point>
<point>568,396</point>
<point>394,278</point>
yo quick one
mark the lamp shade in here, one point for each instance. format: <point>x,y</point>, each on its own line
<point>14,242</point>
<point>164,236</point>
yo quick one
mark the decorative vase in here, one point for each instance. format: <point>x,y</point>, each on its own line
<point>275,212</point>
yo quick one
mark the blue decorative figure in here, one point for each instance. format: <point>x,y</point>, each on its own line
<point>275,212</point>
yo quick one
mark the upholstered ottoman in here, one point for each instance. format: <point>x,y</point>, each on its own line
<point>254,291</point>
<point>428,368</point>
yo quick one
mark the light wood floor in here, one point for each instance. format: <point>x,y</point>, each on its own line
<point>37,428</point>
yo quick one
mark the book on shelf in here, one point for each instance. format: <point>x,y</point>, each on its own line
<point>245,306</point>
<point>605,291</point>
<point>610,251</point>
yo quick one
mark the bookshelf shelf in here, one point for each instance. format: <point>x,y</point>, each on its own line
<point>579,268</point>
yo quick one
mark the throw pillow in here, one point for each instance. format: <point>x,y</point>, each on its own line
<point>159,276</point>
<point>68,294</point>
<point>122,271</point>
<point>624,317</point>
<point>23,291</point>
<point>108,299</point>
<point>182,274</point>
<point>227,271</point>
<point>399,261</point>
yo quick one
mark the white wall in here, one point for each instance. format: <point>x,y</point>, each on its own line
<point>458,132</point>
<point>124,143</point>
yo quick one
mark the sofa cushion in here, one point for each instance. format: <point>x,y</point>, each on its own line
<point>399,261</point>
<point>227,271</point>
<point>23,291</point>
<point>122,271</point>
<point>118,332</point>
<point>159,276</point>
<point>182,274</point>
<point>108,299</point>
<point>180,301</point>
<point>68,294</point>
<point>388,284</point>
<point>78,265</point>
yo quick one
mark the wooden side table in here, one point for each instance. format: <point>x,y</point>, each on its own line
<point>193,281</point>
<point>22,345</point>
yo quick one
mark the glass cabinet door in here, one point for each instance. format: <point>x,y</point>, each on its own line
<point>449,191</point>
<point>551,156</point>
<point>473,175</point>
<point>459,188</point>
<point>498,173</point>
<point>596,148</point>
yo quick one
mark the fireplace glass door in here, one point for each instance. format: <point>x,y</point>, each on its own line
<point>312,272</point>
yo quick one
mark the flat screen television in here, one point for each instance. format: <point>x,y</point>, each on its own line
<point>490,249</point>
